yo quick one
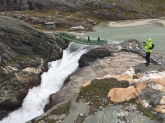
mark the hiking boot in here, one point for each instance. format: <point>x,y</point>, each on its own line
<point>147,64</point>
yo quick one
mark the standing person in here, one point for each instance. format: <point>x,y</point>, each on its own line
<point>148,48</point>
<point>98,40</point>
<point>88,39</point>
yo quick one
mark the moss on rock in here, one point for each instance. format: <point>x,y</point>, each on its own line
<point>147,112</point>
<point>62,109</point>
<point>96,93</point>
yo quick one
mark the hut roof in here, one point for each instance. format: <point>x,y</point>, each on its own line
<point>49,23</point>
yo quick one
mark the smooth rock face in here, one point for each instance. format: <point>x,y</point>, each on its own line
<point>24,53</point>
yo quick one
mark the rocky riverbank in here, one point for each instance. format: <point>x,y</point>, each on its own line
<point>106,89</point>
<point>24,54</point>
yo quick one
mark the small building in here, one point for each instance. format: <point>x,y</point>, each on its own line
<point>50,25</point>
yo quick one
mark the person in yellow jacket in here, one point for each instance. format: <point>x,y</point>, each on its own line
<point>148,49</point>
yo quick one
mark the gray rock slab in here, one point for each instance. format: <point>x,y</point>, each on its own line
<point>76,109</point>
<point>117,115</point>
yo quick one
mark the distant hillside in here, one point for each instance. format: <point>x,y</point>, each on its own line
<point>105,9</point>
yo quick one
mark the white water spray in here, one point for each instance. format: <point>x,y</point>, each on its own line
<point>51,82</point>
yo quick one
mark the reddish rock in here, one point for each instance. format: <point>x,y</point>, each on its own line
<point>140,87</point>
<point>122,94</point>
<point>160,108</point>
<point>125,77</point>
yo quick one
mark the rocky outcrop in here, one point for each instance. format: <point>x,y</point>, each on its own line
<point>138,103</point>
<point>96,69</point>
<point>136,95</point>
<point>24,53</point>
<point>111,57</point>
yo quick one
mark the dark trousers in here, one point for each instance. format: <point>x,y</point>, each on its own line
<point>148,58</point>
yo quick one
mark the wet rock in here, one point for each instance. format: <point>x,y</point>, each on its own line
<point>93,55</point>
<point>14,101</point>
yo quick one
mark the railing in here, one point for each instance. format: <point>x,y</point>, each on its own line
<point>82,40</point>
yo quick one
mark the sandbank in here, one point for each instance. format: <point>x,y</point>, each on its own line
<point>140,22</point>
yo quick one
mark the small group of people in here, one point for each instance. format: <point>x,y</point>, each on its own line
<point>98,39</point>
<point>148,47</point>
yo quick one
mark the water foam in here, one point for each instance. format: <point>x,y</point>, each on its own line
<point>51,82</point>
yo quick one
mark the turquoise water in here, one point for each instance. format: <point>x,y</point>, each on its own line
<point>140,33</point>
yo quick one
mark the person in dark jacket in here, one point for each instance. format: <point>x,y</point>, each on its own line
<point>98,40</point>
<point>89,39</point>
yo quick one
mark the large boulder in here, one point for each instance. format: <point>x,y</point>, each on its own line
<point>94,54</point>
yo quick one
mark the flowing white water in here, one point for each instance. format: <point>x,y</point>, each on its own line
<point>51,82</point>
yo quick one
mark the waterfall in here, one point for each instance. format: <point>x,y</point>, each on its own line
<point>51,82</point>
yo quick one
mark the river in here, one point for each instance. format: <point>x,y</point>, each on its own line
<point>51,82</point>
<point>140,30</point>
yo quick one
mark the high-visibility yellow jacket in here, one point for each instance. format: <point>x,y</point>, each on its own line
<point>148,46</point>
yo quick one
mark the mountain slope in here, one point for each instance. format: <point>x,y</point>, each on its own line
<point>105,9</point>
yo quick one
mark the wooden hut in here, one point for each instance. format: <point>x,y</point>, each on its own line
<point>50,25</point>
